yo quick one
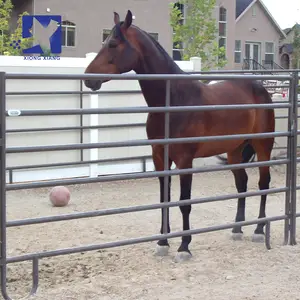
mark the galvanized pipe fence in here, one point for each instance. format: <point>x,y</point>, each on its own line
<point>142,159</point>
<point>291,159</point>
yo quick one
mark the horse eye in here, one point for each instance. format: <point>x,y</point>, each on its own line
<point>112,44</point>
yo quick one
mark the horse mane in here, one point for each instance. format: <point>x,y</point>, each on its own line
<point>171,63</point>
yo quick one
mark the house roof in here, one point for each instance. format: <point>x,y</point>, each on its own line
<point>242,6</point>
<point>288,48</point>
<point>288,30</point>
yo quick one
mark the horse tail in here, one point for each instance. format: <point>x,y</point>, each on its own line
<point>248,155</point>
<point>260,91</point>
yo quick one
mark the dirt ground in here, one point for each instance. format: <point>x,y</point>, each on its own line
<point>220,269</point>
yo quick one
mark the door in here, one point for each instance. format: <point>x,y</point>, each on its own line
<point>252,55</point>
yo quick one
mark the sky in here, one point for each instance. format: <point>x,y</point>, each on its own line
<point>285,12</point>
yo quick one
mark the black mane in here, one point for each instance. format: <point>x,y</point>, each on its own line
<point>171,63</point>
<point>116,31</point>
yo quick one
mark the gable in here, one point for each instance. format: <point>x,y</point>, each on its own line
<point>287,31</point>
<point>265,11</point>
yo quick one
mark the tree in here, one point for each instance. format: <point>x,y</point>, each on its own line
<point>198,33</point>
<point>9,37</point>
<point>296,48</point>
<point>46,52</point>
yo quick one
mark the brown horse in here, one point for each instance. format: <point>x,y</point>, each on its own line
<point>130,48</point>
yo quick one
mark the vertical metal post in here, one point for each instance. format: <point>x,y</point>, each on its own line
<point>166,157</point>
<point>81,119</point>
<point>289,167</point>
<point>294,159</point>
<point>2,186</point>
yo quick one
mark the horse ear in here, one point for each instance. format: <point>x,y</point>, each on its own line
<point>128,19</point>
<point>116,18</point>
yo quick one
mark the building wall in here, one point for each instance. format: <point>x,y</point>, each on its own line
<point>19,8</point>
<point>230,28</point>
<point>266,32</point>
<point>289,38</point>
<point>152,16</point>
<point>93,16</point>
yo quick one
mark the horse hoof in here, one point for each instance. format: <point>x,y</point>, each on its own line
<point>237,236</point>
<point>161,250</point>
<point>182,256</point>
<point>258,238</point>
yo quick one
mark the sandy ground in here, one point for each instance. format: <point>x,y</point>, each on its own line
<point>220,268</point>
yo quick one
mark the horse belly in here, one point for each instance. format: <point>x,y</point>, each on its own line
<point>207,149</point>
<point>240,123</point>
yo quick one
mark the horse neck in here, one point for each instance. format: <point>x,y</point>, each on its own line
<point>155,61</point>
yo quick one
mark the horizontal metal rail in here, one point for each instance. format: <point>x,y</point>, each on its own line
<point>284,117</point>
<point>109,126</point>
<point>140,109</point>
<point>99,161</point>
<point>145,142</point>
<point>32,93</point>
<point>133,241</point>
<point>289,71</point>
<point>141,175</point>
<point>73,163</point>
<point>127,125</point>
<point>276,86</point>
<point>139,208</point>
<point>184,76</point>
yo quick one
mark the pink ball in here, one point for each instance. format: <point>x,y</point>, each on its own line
<point>59,196</point>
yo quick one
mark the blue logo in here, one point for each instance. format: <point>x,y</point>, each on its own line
<point>47,26</point>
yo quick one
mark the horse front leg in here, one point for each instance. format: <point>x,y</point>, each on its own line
<point>162,247</point>
<point>183,252</point>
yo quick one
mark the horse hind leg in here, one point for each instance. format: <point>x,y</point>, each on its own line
<point>241,180</point>
<point>263,149</point>
<point>162,247</point>
<point>183,252</point>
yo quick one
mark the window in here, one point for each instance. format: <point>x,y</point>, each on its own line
<point>269,52</point>
<point>154,35</point>
<point>105,34</point>
<point>178,46</point>
<point>253,11</point>
<point>238,52</point>
<point>222,27</point>
<point>68,34</point>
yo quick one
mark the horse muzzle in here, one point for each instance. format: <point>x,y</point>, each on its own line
<point>94,85</point>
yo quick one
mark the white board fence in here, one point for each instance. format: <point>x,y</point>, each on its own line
<point>115,93</point>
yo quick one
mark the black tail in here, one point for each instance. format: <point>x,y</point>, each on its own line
<point>258,90</point>
<point>248,155</point>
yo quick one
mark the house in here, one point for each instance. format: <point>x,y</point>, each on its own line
<point>249,33</point>
<point>86,23</point>
<point>246,28</point>
<point>286,47</point>
<point>257,36</point>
